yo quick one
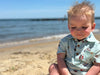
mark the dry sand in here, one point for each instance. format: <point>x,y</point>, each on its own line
<point>31,59</point>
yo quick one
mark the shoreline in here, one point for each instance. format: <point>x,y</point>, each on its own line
<point>34,40</point>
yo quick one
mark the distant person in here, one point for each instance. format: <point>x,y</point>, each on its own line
<point>79,52</point>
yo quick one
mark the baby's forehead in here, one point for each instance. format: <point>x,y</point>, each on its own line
<point>79,18</point>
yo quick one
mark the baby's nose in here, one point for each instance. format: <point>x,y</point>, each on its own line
<point>78,29</point>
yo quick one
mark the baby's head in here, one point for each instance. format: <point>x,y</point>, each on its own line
<point>81,20</point>
<point>84,8</point>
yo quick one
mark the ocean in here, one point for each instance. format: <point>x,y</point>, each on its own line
<point>14,32</point>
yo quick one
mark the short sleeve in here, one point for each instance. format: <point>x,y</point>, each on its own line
<point>62,47</point>
<point>97,55</point>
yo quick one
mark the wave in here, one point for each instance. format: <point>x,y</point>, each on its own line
<point>33,41</point>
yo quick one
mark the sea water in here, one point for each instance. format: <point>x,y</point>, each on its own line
<point>23,31</point>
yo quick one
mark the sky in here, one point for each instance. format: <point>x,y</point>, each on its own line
<point>10,9</point>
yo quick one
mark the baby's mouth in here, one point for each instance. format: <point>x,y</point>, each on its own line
<point>79,34</point>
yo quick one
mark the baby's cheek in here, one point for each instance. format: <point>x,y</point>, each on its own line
<point>73,32</point>
<point>87,31</point>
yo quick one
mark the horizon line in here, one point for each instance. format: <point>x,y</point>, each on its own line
<point>38,19</point>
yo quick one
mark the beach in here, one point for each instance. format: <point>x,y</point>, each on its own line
<point>29,59</point>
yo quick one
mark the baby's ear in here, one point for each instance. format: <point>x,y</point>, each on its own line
<point>93,26</point>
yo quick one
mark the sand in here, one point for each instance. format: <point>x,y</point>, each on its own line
<point>30,59</point>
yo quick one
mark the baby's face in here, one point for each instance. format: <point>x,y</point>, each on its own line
<point>80,26</point>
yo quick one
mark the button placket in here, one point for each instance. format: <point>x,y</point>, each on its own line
<point>77,52</point>
<point>77,47</point>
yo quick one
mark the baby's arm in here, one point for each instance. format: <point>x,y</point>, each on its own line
<point>61,64</point>
<point>94,70</point>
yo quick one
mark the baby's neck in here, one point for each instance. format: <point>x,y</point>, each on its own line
<point>80,40</point>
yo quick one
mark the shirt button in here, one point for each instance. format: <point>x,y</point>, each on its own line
<point>77,53</point>
<point>74,49</point>
<point>91,52</point>
<point>75,70</point>
<point>78,45</point>
<point>96,55</point>
<point>81,69</point>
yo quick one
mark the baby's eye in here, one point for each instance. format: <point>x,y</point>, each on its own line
<point>84,27</point>
<point>73,27</point>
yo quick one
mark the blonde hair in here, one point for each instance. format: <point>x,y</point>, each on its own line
<point>84,8</point>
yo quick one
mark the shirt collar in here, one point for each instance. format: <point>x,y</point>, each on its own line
<point>90,38</point>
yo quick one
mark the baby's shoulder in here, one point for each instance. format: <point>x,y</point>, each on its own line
<point>97,44</point>
<point>96,47</point>
<point>67,37</point>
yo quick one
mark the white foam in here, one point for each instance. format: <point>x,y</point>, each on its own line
<point>50,37</point>
<point>34,40</point>
<point>96,30</point>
